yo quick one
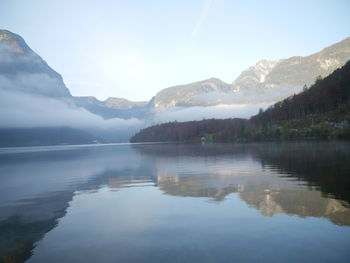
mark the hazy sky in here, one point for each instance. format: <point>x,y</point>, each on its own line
<point>133,49</point>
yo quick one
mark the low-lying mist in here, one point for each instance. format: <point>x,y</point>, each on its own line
<point>23,110</point>
<point>24,104</point>
<point>223,111</point>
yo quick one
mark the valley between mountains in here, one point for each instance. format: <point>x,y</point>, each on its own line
<point>36,101</point>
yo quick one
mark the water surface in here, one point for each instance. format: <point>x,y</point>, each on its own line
<point>176,203</point>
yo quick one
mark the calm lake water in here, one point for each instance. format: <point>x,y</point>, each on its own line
<point>285,202</point>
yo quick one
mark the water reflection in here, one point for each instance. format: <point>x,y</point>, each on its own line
<point>37,187</point>
<point>304,179</point>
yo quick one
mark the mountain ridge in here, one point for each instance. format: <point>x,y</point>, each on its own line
<point>29,87</point>
<point>21,69</point>
<point>173,96</point>
<point>112,102</point>
<point>319,112</point>
<point>266,81</point>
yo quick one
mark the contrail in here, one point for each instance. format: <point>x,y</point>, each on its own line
<point>203,15</point>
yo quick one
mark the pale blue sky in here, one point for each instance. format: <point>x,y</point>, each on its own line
<point>133,49</point>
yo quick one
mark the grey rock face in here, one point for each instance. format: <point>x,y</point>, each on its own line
<point>21,69</point>
<point>266,81</point>
<point>185,95</point>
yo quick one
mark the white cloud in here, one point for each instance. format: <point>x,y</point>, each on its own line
<point>22,110</point>
<point>198,113</point>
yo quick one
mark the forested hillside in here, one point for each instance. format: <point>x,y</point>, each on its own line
<point>318,112</point>
<point>189,131</point>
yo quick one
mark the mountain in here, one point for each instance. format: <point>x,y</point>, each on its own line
<point>304,70</point>
<point>33,95</point>
<point>122,104</point>
<point>185,95</point>
<point>113,107</point>
<point>21,69</point>
<point>295,71</point>
<point>266,81</point>
<point>319,112</point>
<point>34,99</point>
<point>253,76</point>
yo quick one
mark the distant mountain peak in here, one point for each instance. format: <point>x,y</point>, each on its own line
<point>254,75</point>
<point>23,70</point>
<point>116,99</point>
<point>87,99</point>
<point>267,81</point>
<point>185,95</point>
<point>111,107</point>
<point>121,103</point>
<point>13,42</point>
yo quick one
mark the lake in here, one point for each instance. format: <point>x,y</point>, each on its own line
<point>268,202</point>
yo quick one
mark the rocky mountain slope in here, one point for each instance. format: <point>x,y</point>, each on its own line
<point>32,94</point>
<point>319,112</point>
<point>34,99</point>
<point>185,95</point>
<point>266,81</point>
<point>21,69</point>
<point>113,107</point>
<point>122,104</point>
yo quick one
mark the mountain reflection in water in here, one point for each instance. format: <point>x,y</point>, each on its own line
<point>40,184</point>
<point>302,179</point>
